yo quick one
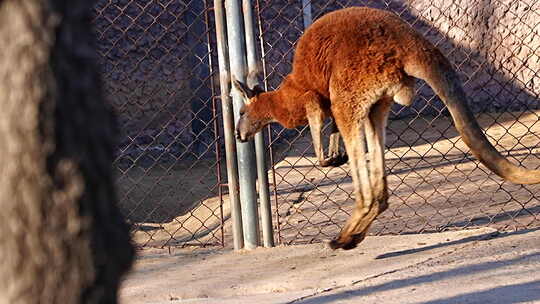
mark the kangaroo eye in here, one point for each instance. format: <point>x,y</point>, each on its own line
<point>242,111</point>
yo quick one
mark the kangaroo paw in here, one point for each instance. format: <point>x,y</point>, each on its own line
<point>340,159</point>
<point>335,161</point>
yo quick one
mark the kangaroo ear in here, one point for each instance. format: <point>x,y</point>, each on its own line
<point>253,80</point>
<point>246,92</point>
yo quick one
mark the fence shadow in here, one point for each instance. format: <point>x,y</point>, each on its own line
<point>514,293</point>
<point>475,238</point>
<point>457,272</point>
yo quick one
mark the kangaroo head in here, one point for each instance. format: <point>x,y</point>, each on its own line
<point>255,114</point>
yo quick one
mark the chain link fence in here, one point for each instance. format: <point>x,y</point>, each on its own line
<point>159,67</point>
<point>158,60</point>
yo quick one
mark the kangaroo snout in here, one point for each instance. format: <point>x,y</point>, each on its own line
<point>243,133</point>
<point>239,136</point>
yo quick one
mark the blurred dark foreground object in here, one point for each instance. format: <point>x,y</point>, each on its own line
<point>62,238</point>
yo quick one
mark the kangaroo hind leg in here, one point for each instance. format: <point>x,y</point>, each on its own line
<point>370,186</point>
<point>375,136</point>
<point>352,129</point>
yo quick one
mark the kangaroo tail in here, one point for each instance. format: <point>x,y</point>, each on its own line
<point>442,78</point>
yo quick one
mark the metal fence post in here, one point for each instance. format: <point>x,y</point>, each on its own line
<point>262,172</point>
<point>245,151</point>
<point>306,13</point>
<point>228,125</point>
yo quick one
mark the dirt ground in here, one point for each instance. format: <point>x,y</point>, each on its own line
<point>433,186</point>
<point>470,266</point>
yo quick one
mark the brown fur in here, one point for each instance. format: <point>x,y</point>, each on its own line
<point>350,65</point>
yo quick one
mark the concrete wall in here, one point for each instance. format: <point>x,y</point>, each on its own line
<point>494,44</point>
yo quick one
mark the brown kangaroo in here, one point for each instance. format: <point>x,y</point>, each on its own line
<point>350,65</point>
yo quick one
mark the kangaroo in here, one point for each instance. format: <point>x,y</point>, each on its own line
<point>351,65</point>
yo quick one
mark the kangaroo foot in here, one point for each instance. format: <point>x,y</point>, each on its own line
<point>355,231</point>
<point>335,161</point>
<point>349,242</point>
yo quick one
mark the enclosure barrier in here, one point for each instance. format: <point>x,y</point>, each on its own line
<point>178,175</point>
<point>260,151</point>
<point>242,61</point>
<point>228,125</point>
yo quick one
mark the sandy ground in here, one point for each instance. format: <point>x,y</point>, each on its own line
<point>433,187</point>
<point>470,266</point>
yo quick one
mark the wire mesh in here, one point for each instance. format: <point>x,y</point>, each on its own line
<point>159,65</point>
<point>158,61</point>
<point>434,183</point>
